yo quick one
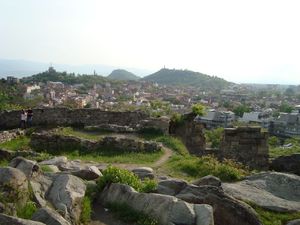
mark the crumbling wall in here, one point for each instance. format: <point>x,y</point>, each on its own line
<point>191,133</point>
<point>52,142</point>
<point>247,145</point>
<point>81,117</point>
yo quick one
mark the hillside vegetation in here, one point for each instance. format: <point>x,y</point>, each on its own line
<point>187,78</point>
<point>122,75</point>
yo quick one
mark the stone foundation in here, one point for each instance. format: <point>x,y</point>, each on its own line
<point>54,142</point>
<point>247,145</point>
<point>84,117</point>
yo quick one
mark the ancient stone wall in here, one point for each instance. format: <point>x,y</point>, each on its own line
<point>82,117</point>
<point>55,142</point>
<point>247,145</point>
<point>191,133</point>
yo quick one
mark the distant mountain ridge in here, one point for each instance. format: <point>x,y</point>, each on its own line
<point>187,78</point>
<point>121,74</point>
<point>21,68</point>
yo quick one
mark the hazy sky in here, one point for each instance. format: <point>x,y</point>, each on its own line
<point>241,41</point>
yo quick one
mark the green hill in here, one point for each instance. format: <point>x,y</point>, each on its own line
<point>67,78</point>
<point>187,78</point>
<point>122,75</point>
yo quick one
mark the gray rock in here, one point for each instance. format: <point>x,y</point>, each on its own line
<point>144,172</point>
<point>28,167</point>
<point>290,163</point>
<point>204,216</point>
<point>55,161</point>
<point>171,186</point>
<point>13,185</point>
<point>88,173</point>
<point>67,190</point>
<point>49,217</point>
<point>208,180</point>
<point>40,186</point>
<point>166,209</point>
<point>9,220</point>
<point>271,190</point>
<point>6,154</point>
<point>294,222</point>
<point>227,210</point>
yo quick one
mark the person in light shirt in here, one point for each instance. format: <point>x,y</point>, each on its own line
<point>23,119</point>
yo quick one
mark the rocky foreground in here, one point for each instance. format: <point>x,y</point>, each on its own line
<point>59,195</point>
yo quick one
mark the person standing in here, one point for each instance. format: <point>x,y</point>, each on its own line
<point>23,119</point>
<point>29,117</point>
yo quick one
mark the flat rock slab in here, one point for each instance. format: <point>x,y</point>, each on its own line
<point>270,190</point>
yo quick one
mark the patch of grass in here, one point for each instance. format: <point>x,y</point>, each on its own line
<point>113,156</point>
<point>191,167</point>
<point>116,175</point>
<point>46,168</point>
<point>69,131</point>
<point>3,163</point>
<point>18,144</point>
<point>278,151</point>
<point>171,142</point>
<point>27,210</point>
<point>129,215</point>
<point>268,217</point>
<point>86,210</point>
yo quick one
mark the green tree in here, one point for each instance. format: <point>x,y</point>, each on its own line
<point>285,107</point>
<point>240,110</point>
<point>273,141</point>
<point>198,109</point>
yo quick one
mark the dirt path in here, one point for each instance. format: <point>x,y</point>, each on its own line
<point>102,216</point>
<point>164,158</point>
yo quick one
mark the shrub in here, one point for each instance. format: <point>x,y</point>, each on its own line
<point>86,210</point>
<point>27,210</point>
<point>117,175</point>
<point>148,185</point>
<point>273,141</point>
<point>46,169</point>
<point>129,215</point>
<point>198,109</point>
<point>214,136</point>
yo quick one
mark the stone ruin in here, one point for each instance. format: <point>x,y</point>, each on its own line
<point>247,145</point>
<point>134,121</point>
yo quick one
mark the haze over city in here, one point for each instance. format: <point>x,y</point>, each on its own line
<point>240,41</point>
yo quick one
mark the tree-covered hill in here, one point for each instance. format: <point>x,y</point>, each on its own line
<point>187,78</point>
<point>67,78</point>
<point>122,75</point>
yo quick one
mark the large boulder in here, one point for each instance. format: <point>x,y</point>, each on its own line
<point>144,172</point>
<point>49,217</point>
<point>227,210</point>
<point>66,194</point>
<point>28,167</point>
<point>208,180</point>
<point>9,220</point>
<point>168,210</point>
<point>88,173</point>
<point>171,186</point>
<point>13,185</point>
<point>294,222</point>
<point>290,163</point>
<point>58,160</point>
<point>270,190</point>
<point>40,186</point>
